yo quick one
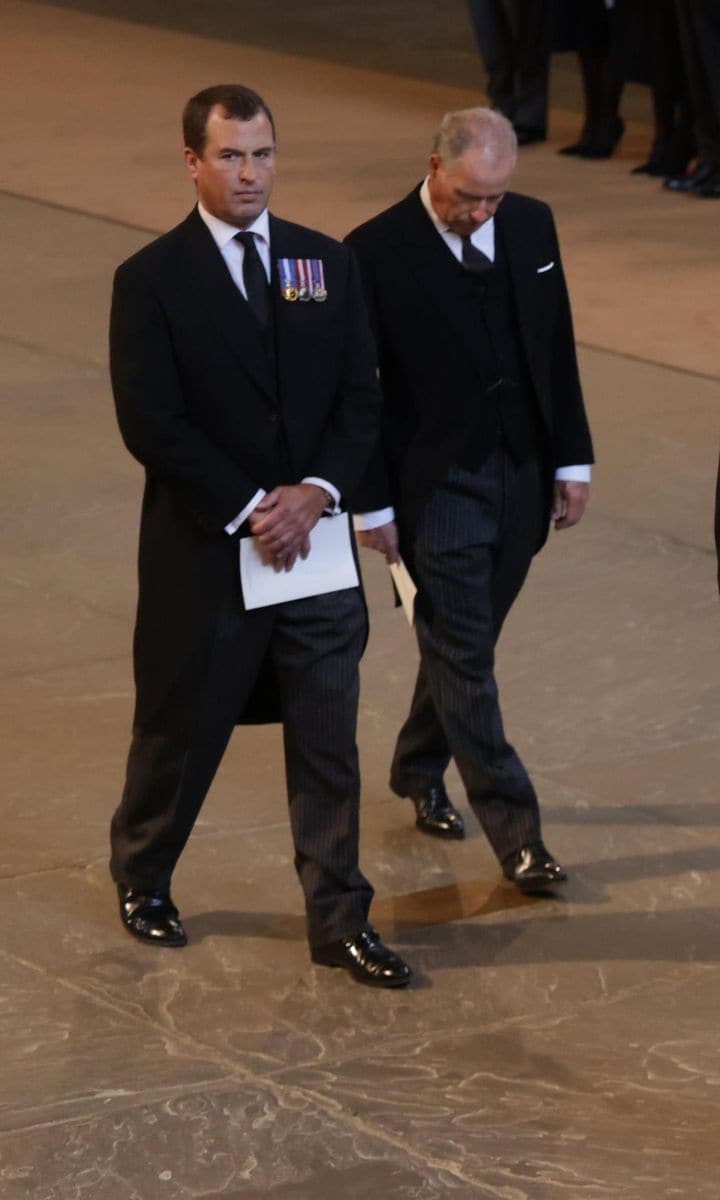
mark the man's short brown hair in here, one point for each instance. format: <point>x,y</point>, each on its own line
<point>237,101</point>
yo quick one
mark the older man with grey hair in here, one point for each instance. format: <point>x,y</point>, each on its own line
<point>485,440</point>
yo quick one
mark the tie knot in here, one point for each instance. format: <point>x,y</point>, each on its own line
<point>246,239</point>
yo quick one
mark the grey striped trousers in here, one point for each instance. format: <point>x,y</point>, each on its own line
<point>471,551</point>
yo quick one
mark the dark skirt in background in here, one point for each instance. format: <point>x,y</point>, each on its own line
<point>622,34</point>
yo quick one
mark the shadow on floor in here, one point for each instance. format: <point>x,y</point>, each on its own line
<point>430,41</point>
<point>635,814</point>
<point>426,40</point>
<point>681,936</point>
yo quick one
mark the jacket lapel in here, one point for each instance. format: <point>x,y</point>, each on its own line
<point>219,299</point>
<point>521,253</point>
<point>439,276</point>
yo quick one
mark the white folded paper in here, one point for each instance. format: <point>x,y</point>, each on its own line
<point>405,588</point>
<point>329,567</point>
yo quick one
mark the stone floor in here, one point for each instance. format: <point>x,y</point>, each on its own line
<point>548,1048</point>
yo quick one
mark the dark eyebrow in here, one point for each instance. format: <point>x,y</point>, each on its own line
<point>234,150</point>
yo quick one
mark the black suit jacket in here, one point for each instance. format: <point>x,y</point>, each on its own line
<point>432,370</point>
<point>212,417</point>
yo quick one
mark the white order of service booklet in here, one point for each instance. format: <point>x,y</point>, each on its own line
<point>329,567</point>
<point>406,589</point>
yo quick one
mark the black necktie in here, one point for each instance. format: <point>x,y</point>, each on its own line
<point>474,259</point>
<point>254,277</point>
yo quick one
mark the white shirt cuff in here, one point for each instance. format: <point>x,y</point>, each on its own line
<point>373,520</point>
<point>383,516</point>
<point>326,487</point>
<point>243,516</point>
<point>582,474</point>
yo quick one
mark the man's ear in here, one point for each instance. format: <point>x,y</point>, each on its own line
<point>191,161</point>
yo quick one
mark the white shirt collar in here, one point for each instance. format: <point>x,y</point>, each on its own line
<point>224,233</point>
<point>482,239</point>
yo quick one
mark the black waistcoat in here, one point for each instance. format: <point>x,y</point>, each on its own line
<point>282,469</point>
<point>508,411</point>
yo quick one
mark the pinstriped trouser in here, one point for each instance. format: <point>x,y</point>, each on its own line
<point>472,549</point>
<point>316,646</point>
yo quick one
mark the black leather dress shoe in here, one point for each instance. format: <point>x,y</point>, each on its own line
<point>151,917</point>
<point>366,958</point>
<point>533,869</point>
<point>693,180</point>
<point>527,135</point>
<point>436,814</point>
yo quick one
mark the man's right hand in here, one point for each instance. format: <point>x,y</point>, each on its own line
<point>282,521</point>
<point>383,539</point>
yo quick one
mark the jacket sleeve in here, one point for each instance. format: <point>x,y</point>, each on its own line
<point>151,411</point>
<point>572,443</point>
<point>372,491</point>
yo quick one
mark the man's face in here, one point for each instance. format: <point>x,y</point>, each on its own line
<point>234,176</point>
<point>467,192</point>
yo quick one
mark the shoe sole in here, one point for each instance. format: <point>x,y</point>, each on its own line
<point>540,888</point>
<point>449,835</point>
<point>149,941</point>
<point>396,983</point>
<point>379,983</point>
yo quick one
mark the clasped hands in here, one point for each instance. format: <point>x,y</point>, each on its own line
<point>282,521</point>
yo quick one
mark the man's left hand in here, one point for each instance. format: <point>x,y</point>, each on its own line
<point>383,538</point>
<point>569,501</point>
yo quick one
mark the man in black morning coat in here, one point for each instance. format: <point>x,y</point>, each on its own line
<point>253,414</point>
<point>485,436</point>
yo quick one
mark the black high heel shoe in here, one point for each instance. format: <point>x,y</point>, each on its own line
<point>668,156</point>
<point>603,145</point>
<point>584,140</point>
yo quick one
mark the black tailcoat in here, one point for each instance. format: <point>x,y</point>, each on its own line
<point>212,414</point>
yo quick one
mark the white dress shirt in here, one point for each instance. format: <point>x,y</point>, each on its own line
<point>483,239</point>
<point>233,253</point>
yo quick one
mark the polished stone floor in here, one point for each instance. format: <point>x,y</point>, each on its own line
<point>548,1048</point>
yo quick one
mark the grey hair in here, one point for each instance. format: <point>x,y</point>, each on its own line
<point>482,128</point>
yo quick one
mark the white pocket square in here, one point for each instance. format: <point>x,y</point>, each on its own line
<point>549,266</point>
